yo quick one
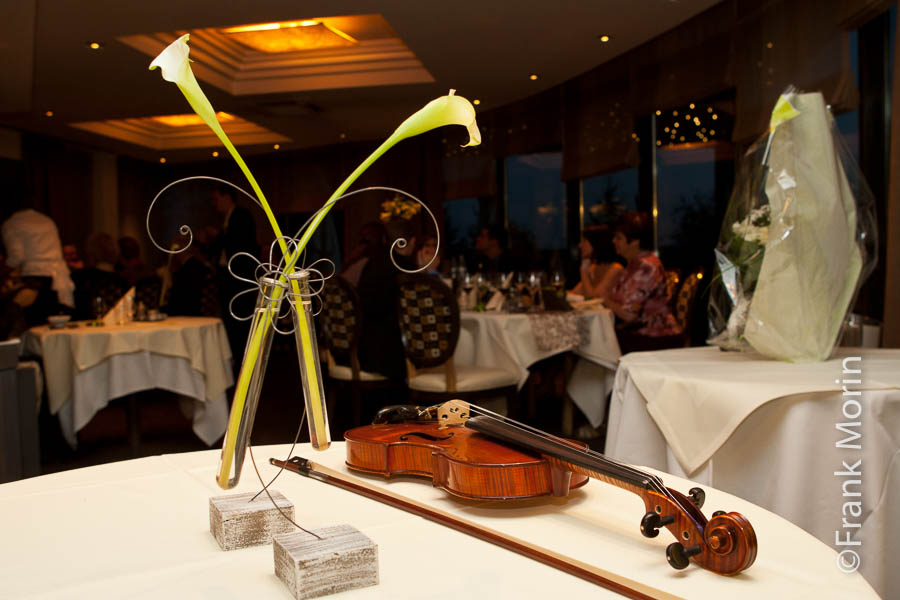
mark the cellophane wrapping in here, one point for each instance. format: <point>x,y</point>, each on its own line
<point>798,239</point>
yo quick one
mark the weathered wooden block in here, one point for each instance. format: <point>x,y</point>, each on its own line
<point>344,559</point>
<point>236,522</point>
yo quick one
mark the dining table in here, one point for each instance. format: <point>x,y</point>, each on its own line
<point>516,341</point>
<point>141,529</point>
<point>88,365</point>
<point>817,443</point>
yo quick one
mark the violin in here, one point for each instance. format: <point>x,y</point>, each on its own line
<point>488,456</point>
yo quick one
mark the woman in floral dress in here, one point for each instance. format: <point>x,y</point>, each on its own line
<point>640,300</point>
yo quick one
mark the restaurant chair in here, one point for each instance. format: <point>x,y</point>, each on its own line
<point>148,290</point>
<point>673,278</point>
<point>342,321</point>
<point>95,283</point>
<point>684,303</point>
<point>429,327</point>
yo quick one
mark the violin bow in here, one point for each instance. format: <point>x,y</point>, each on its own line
<point>611,581</point>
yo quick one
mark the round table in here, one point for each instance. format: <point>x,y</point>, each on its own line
<point>507,341</point>
<point>140,529</point>
<point>769,431</point>
<point>86,366</point>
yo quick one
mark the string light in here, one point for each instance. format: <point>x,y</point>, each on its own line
<point>162,160</point>
<point>215,153</point>
<point>476,101</point>
<point>604,38</point>
<point>277,146</point>
<point>49,113</point>
<point>690,128</point>
<point>532,77</point>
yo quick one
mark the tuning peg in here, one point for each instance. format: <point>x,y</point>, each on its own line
<point>718,513</point>
<point>678,556</point>
<point>651,523</point>
<point>698,496</point>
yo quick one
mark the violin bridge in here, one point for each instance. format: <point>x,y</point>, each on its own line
<point>453,412</point>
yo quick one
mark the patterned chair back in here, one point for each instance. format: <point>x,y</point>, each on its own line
<point>684,304</point>
<point>209,305</point>
<point>429,320</point>
<point>341,318</point>
<point>673,278</point>
<point>148,291</point>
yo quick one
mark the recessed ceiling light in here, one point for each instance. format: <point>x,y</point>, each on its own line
<point>277,146</point>
<point>476,101</point>
<point>162,159</point>
<point>532,77</point>
<point>604,38</point>
<point>49,113</point>
<point>215,153</point>
<point>95,45</point>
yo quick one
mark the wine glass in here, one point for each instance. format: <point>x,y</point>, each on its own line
<point>534,286</point>
<point>558,281</point>
<point>468,283</point>
<point>98,306</point>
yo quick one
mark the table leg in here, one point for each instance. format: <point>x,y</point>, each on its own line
<point>133,413</point>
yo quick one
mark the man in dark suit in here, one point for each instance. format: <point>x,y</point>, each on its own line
<point>238,234</point>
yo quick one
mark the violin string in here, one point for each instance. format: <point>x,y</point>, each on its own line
<point>652,479</point>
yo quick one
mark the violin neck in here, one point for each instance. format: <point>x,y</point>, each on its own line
<point>591,464</point>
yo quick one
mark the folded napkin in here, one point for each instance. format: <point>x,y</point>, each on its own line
<point>122,312</point>
<point>495,303</point>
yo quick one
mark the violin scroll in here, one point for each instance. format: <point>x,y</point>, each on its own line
<point>725,544</point>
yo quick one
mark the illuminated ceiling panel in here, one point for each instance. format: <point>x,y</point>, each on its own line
<point>354,51</point>
<point>173,132</point>
<point>274,38</point>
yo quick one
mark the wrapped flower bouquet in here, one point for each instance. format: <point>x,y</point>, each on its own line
<point>798,238</point>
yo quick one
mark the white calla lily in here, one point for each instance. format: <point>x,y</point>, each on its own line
<point>446,110</point>
<point>175,66</point>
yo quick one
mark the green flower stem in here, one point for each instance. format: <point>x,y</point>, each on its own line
<point>255,343</point>
<point>254,347</point>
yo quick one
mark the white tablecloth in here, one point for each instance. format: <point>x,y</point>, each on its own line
<point>782,454</point>
<point>140,529</point>
<point>87,367</point>
<point>506,341</point>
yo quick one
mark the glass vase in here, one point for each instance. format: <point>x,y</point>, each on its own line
<point>249,384</point>
<point>308,355</point>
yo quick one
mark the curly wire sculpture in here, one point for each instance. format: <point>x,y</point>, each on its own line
<point>185,229</point>
<point>276,271</point>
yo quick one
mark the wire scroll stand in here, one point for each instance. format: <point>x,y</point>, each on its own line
<point>273,282</point>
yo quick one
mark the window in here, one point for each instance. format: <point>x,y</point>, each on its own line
<point>694,186</point>
<point>536,201</point>
<point>605,197</point>
<point>461,223</point>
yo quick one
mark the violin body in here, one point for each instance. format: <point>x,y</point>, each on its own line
<point>461,461</point>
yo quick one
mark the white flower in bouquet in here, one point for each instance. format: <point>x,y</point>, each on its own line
<point>755,226</point>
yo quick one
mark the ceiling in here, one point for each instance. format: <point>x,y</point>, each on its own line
<point>484,50</point>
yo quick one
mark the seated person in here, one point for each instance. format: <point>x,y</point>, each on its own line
<point>640,300</point>
<point>98,279</point>
<point>599,270</point>
<point>426,255</point>
<point>491,254</point>
<point>130,265</point>
<point>370,270</point>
